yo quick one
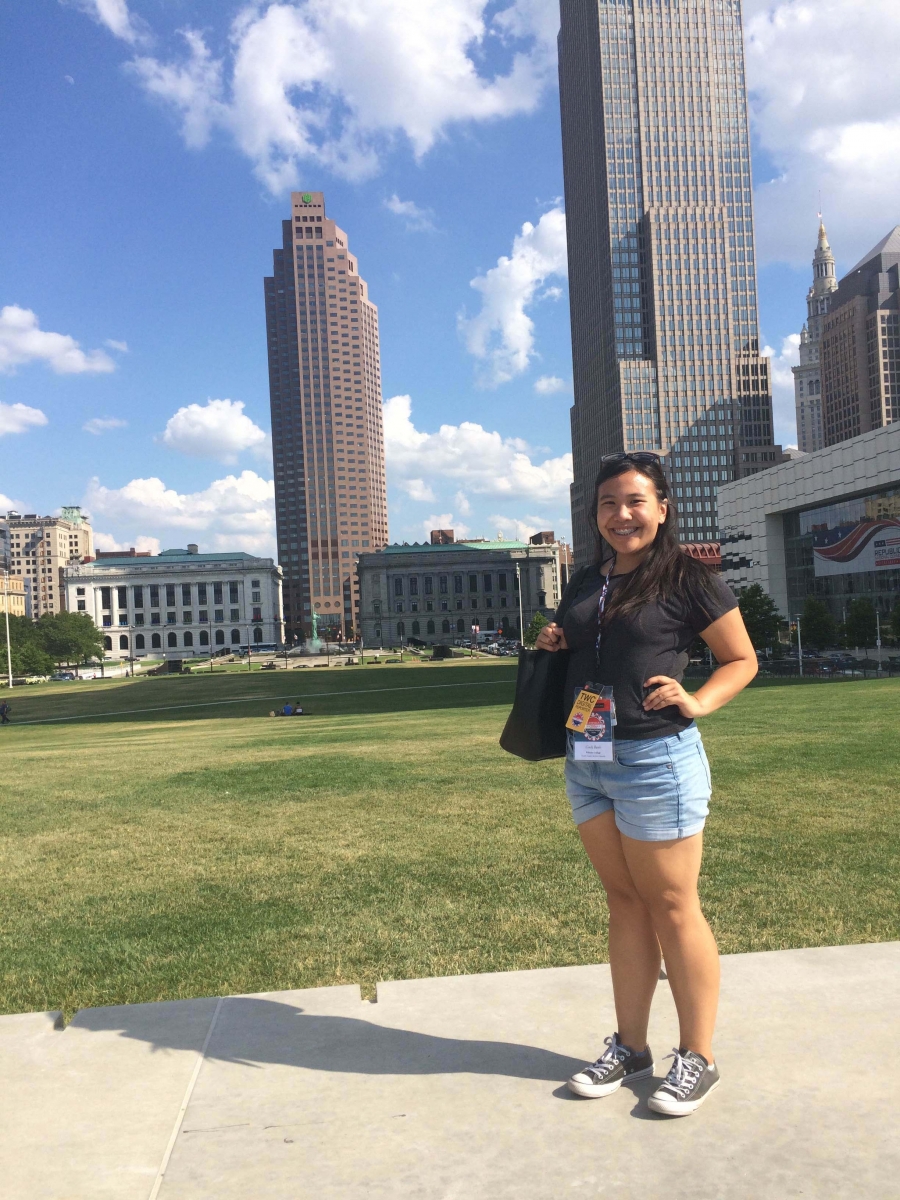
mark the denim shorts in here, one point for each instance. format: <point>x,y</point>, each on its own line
<point>658,788</point>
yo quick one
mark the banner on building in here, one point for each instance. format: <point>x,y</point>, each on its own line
<point>855,535</point>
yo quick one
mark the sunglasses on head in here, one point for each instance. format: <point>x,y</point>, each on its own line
<point>638,456</point>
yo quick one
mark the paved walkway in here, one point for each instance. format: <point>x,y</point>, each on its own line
<point>449,1089</point>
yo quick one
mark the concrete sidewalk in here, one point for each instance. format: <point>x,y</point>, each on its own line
<point>452,1088</point>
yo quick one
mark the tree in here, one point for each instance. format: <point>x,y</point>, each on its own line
<point>861,627</point>
<point>538,621</point>
<point>26,649</point>
<point>68,637</point>
<point>817,626</point>
<point>895,619</point>
<point>761,616</point>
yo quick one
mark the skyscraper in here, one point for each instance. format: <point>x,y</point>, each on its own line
<point>807,377</point>
<point>662,281</point>
<point>861,346</point>
<point>327,437</point>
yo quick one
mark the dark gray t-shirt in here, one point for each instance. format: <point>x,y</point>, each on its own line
<point>655,640</point>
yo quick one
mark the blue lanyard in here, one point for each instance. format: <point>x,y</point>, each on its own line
<point>601,605</point>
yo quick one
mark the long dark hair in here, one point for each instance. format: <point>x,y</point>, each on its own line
<point>666,572</point>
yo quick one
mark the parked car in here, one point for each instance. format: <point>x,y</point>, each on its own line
<point>58,675</point>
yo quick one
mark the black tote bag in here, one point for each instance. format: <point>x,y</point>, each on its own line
<point>536,727</point>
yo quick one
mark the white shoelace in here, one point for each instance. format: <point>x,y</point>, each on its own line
<point>608,1060</point>
<point>683,1074</point>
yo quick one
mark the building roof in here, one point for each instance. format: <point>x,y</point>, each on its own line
<point>179,556</point>
<point>889,244</point>
<point>449,548</point>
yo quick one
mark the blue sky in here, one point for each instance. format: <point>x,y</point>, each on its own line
<point>148,152</point>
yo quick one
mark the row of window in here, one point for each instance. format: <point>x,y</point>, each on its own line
<point>168,590</point>
<point>443,583</point>
<point>506,624</point>
<point>140,641</point>
<point>187,617</point>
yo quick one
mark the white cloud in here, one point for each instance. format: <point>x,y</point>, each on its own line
<point>547,385</point>
<point>98,425</point>
<point>234,513</point>
<point>501,336</point>
<point>115,16</point>
<point>7,504</point>
<point>521,530</point>
<point>122,347</point>
<point>17,418</point>
<point>416,219</point>
<point>461,501</point>
<point>107,543</point>
<point>784,411</point>
<point>418,490</point>
<point>484,462</point>
<point>446,521</point>
<point>825,95</point>
<point>23,341</point>
<point>330,85</point>
<point>218,429</point>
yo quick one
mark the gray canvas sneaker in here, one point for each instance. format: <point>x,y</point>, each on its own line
<point>615,1065</point>
<point>688,1083</point>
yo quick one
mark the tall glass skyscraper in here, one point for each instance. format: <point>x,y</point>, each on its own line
<point>662,278</point>
<point>327,437</point>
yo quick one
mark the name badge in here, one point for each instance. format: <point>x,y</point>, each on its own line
<point>591,725</point>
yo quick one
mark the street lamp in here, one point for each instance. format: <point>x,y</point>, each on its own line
<point>6,617</point>
<point>521,618</point>
<point>799,647</point>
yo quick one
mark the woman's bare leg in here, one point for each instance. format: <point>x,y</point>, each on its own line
<point>634,955</point>
<point>665,876</point>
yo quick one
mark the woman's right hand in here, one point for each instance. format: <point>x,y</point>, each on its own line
<point>551,637</point>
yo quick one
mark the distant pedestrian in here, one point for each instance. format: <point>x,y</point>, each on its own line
<point>287,711</point>
<point>627,622</point>
<point>298,711</point>
<point>4,713</point>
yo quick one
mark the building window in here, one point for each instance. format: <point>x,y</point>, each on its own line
<point>138,597</point>
<point>501,581</point>
<point>488,583</point>
<point>187,618</point>
<point>107,620</point>
<point>376,608</point>
<point>401,629</point>
<point>217,593</point>
<point>235,637</point>
<point>473,583</point>
<point>107,643</point>
<point>154,618</point>
<point>460,626</point>
<point>235,614</point>
<point>399,606</point>
<point>185,593</point>
<point>139,642</point>
<point>123,618</point>
<point>219,614</point>
<point>201,593</point>
<point>257,634</point>
<point>106,598</point>
<point>232,593</point>
<point>170,618</point>
<point>154,595</point>
<point>170,595</point>
<point>138,618</point>
<point>490,623</point>
<point>79,591</point>
<point>122,594</point>
<point>415,628</point>
<point>429,585</point>
<point>255,597</point>
<point>458,584</point>
<point>189,639</point>
<point>257,614</point>
<point>220,637</point>
<point>254,583</point>
<point>203,616</point>
<point>445,626</point>
<point>172,639</point>
<point>155,641</point>
<point>82,606</point>
<point>204,637</point>
<point>442,584</point>
<point>398,586</point>
<point>429,628</point>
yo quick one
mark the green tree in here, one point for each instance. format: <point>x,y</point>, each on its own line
<point>538,621</point>
<point>70,637</point>
<point>860,629</point>
<point>26,649</point>
<point>30,659</point>
<point>895,619</point>
<point>761,616</point>
<point>817,626</point>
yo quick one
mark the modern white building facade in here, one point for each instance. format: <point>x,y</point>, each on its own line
<point>825,525</point>
<point>179,603</point>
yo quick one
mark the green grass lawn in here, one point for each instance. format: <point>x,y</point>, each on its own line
<point>152,852</point>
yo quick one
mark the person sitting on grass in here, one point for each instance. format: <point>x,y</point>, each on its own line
<point>298,711</point>
<point>287,711</point>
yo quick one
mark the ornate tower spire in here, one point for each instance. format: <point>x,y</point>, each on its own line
<point>824,279</point>
<point>807,376</point>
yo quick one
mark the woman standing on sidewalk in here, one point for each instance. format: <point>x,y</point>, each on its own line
<point>629,621</point>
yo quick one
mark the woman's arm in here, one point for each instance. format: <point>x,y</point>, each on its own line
<point>730,643</point>
<point>551,637</point>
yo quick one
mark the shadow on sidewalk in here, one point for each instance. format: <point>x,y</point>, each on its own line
<point>258,1032</point>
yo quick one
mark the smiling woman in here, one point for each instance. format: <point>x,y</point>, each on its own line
<point>627,623</point>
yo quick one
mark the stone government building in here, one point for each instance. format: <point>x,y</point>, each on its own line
<point>435,592</point>
<point>179,603</point>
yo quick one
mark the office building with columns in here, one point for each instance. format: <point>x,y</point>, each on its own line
<point>662,277</point>
<point>180,603</point>
<point>327,437</point>
<point>808,375</point>
<point>436,592</point>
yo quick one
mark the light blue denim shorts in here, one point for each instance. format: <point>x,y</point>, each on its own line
<point>658,788</point>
